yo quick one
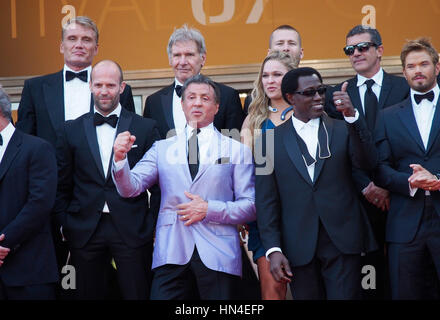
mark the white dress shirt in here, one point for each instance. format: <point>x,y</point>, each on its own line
<point>77,95</point>
<point>106,137</point>
<point>362,86</point>
<point>178,115</point>
<point>6,134</point>
<point>424,114</point>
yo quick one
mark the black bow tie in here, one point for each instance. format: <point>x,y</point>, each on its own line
<point>80,75</point>
<point>178,89</point>
<point>1,140</point>
<point>98,119</point>
<point>419,97</point>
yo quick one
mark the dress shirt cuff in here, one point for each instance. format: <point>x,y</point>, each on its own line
<point>412,191</point>
<point>352,119</point>
<point>274,249</point>
<point>120,164</point>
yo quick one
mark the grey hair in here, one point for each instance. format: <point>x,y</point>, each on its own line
<point>84,21</point>
<point>5,104</point>
<point>187,34</point>
<point>201,79</point>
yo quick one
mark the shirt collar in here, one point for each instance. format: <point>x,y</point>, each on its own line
<point>436,91</point>
<point>205,132</point>
<point>117,111</point>
<point>177,83</point>
<point>7,133</point>
<point>299,125</point>
<point>89,71</point>
<point>378,78</point>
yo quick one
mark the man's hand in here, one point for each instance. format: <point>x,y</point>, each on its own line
<point>3,251</point>
<point>193,211</point>
<point>279,267</point>
<point>123,143</point>
<point>423,179</point>
<point>342,101</point>
<point>377,196</point>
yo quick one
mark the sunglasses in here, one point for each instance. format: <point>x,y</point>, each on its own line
<point>363,46</point>
<point>311,92</point>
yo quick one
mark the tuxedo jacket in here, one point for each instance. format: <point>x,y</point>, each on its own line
<point>28,178</point>
<point>159,106</point>
<point>41,108</point>
<point>394,89</point>
<point>225,180</point>
<point>400,144</point>
<point>83,187</point>
<point>290,205</point>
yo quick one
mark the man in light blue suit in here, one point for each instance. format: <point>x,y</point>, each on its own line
<point>207,185</point>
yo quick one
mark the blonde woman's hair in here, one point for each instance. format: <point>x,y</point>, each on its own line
<point>258,109</point>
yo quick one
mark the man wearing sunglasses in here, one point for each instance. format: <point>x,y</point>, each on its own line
<point>309,216</point>
<point>371,90</point>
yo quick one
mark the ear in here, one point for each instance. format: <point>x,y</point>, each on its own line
<point>122,87</point>
<point>203,56</point>
<point>437,68</point>
<point>290,98</point>
<point>379,51</point>
<point>302,54</point>
<point>61,47</point>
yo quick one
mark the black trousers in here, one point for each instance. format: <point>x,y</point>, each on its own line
<point>330,275</point>
<point>192,281</point>
<point>91,263</point>
<point>412,264</point>
<point>32,292</point>
<point>377,258</point>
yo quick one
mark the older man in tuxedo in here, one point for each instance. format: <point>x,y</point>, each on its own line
<point>97,223</point>
<point>187,55</point>
<point>28,180</point>
<point>207,184</point>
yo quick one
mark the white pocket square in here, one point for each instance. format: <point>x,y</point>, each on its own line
<point>134,146</point>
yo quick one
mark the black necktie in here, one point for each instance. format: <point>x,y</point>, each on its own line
<point>80,75</point>
<point>419,97</point>
<point>98,119</point>
<point>178,89</point>
<point>370,104</point>
<point>1,140</point>
<point>193,153</point>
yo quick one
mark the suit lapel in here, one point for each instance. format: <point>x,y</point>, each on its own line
<point>409,121</point>
<point>320,162</point>
<point>92,140</point>
<point>10,153</point>
<point>53,91</point>
<point>292,148</point>
<point>385,90</point>
<point>435,128</point>
<point>123,125</point>
<point>167,106</point>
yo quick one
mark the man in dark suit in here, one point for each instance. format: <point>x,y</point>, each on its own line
<point>371,90</point>
<point>28,180</point>
<point>48,101</point>
<point>97,223</point>
<point>187,55</point>
<point>308,213</point>
<point>287,39</point>
<point>408,134</point>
